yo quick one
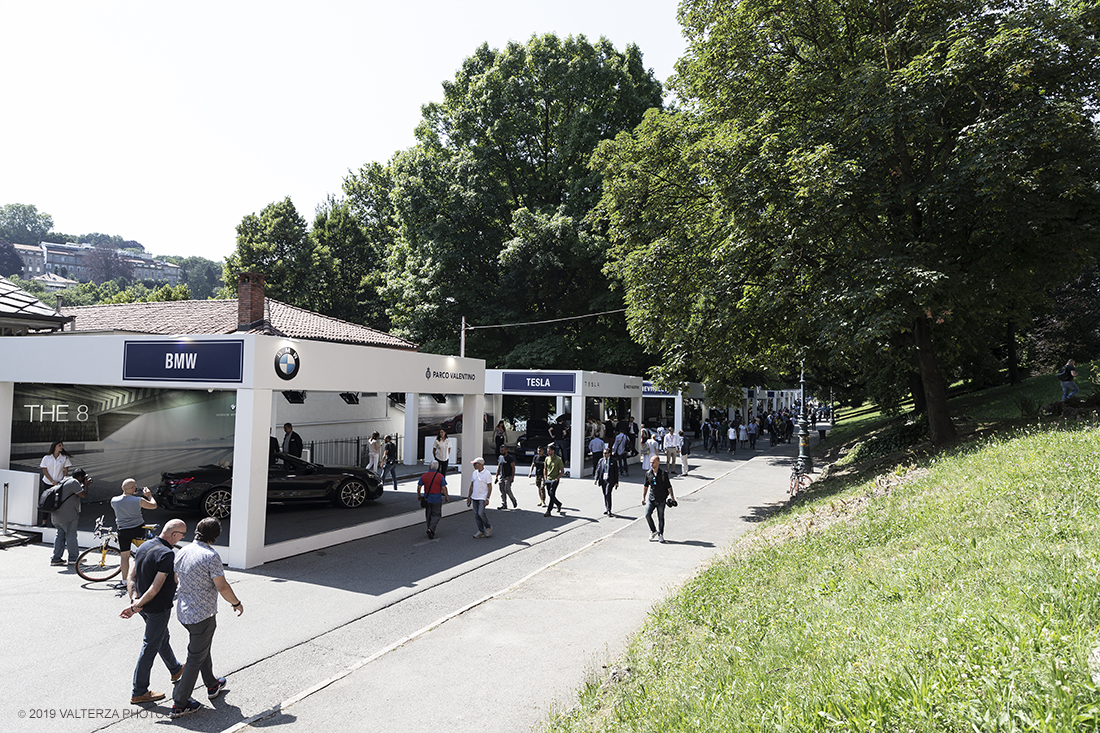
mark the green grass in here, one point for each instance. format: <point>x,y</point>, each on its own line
<point>964,598</point>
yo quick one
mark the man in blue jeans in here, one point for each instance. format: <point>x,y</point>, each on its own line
<point>1066,377</point>
<point>151,586</point>
<point>389,461</point>
<point>65,517</point>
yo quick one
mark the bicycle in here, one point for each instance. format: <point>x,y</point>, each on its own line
<point>103,561</point>
<point>800,480</point>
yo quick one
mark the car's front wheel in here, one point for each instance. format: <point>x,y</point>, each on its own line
<point>350,494</point>
<point>216,503</point>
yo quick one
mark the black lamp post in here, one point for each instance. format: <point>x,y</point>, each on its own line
<point>805,461</point>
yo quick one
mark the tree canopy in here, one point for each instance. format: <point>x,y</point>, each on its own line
<point>23,224</point>
<point>485,217</point>
<point>869,187</point>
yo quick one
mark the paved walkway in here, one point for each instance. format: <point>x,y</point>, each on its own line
<point>497,632</point>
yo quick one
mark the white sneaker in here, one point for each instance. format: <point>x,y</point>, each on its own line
<point>652,536</point>
<point>479,534</point>
<point>661,538</point>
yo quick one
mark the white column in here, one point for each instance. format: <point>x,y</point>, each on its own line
<point>636,411</point>
<point>678,416</point>
<point>247,521</point>
<point>412,425</point>
<point>576,439</point>
<point>7,412</point>
<point>559,405</point>
<point>473,407</point>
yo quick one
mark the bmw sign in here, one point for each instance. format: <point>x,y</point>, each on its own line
<point>286,363</point>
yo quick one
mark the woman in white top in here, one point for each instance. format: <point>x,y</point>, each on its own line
<point>441,451</point>
<point>55,467</point>
<point>649,448</point>
<point>374,450</point>
<point>744,435</point>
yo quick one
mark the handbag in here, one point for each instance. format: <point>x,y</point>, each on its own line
<point>427,490</point>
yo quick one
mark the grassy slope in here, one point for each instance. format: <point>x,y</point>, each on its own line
<point>957,594</point>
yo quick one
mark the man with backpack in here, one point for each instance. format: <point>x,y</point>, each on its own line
<point>63,503</point>
<point>1066,377</point>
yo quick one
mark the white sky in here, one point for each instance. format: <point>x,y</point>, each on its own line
<point>166,127</point>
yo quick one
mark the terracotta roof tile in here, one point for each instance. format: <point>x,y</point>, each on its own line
<point>197,317</point>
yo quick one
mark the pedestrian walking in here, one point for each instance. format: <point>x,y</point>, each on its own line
<point>1067,377</point>
<point>554,470</point>
<point>201,580</point>
<point>751,429</point>
<point>481,489</point>
<point>671,450</point>
<point>374,452</point>
<point>151,587</point>
<point>607,478</point>
<point>538,471</point>
<point>620,448</point>
<point>743,435</point>
<point>66,516</point>
<point>685,449</point>
<point>656,490</point>
<point>731,436</point>
<point>389,461</point>
<point>595,447</point>
<point>434,485</point>
<point>506,474</point>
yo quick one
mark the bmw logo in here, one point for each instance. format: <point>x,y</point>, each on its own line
<point>286,363</point>
<point>428,373</point>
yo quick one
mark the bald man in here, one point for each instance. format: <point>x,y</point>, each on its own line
<point>151,586</point>
<point>127,507</point>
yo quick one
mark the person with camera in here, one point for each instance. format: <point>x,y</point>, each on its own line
<point>657,490</point>
<point>127,507</point>
<point>65,517</point>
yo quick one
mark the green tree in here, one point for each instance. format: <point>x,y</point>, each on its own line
<point>871,187</point>
<point>202,276</point>
<point>23,224</point>
<point>275,242</point>
<point>356,266</point>
<point>486,216</point>
<point>10,261</point>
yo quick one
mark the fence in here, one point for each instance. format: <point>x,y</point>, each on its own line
<point>343,451</point>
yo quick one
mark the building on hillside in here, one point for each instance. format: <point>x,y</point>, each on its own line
<point>34,260</point>
<point>68,261</point>
<point>53,282</point>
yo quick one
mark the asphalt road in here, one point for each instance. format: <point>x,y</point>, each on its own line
<point>500,630</point>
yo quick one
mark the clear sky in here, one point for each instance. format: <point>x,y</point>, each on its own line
<point>167,123</point>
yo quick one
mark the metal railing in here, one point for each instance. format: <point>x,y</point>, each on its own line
<point>343,451</point>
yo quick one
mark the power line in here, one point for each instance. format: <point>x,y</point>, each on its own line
<point>552,320</point>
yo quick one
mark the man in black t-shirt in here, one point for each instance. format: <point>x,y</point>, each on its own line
<point>506,472</point>
<point>151,587</point>
<point>538,470</point>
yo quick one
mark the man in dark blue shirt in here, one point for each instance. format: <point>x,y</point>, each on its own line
<point>151,587</point>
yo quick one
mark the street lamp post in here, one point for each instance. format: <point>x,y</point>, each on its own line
<point>805,461</point>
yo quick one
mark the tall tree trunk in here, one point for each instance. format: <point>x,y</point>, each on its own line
<point>1011,356</point>
<point>916,388</point>
<point>940,427</point>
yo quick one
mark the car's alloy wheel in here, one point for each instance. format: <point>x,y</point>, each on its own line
<point>351,493</point>
<point>217,502</point>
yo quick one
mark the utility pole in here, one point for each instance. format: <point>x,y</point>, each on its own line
<point>805,461</point>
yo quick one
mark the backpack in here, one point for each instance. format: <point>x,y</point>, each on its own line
<point>50,500</point>
<point>1066,374</point>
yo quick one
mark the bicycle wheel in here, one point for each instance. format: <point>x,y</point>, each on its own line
<point>99,563</point>
<point>799,483</point>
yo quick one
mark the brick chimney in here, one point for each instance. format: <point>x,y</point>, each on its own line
<point>250,300</point>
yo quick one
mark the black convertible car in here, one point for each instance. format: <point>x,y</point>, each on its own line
<point>207,489</point>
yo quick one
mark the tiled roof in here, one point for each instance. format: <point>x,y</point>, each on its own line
<point>197,317</point>
<point>20,305</point>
